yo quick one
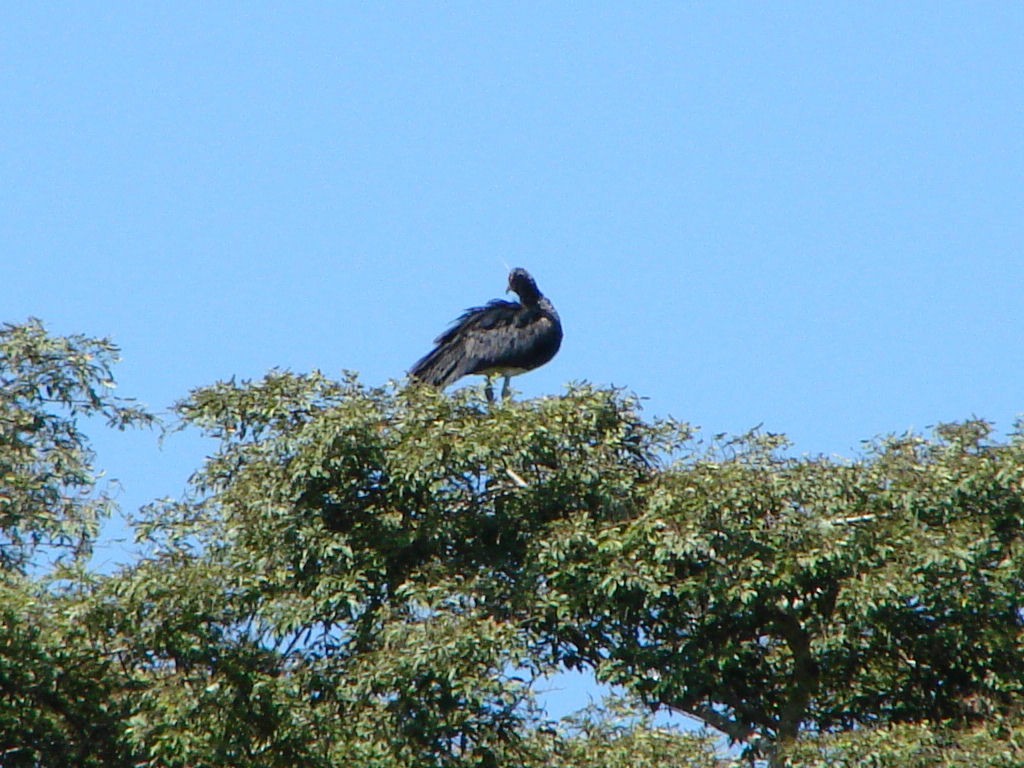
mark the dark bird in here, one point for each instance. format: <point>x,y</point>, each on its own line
<point>503,338</point>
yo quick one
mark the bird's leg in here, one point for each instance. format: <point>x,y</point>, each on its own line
<point>489,390</point>
<point>506,389</point>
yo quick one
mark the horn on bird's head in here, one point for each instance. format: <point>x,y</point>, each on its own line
<point>508,271</point>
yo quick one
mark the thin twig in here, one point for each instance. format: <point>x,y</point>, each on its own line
<point>516,478</point>
<point>854,519</point>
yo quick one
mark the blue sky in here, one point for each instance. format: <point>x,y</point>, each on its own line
<point>802,215</point>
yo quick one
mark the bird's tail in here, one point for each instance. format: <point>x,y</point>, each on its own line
<point>439,368</point>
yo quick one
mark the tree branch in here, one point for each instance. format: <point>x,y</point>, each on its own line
<point>737,732</point>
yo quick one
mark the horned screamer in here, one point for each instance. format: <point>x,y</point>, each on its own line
<point>501,338</point>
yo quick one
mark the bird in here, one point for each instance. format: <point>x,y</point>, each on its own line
<point>503,338</point>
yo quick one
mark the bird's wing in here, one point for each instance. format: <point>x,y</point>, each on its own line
<point>510,341</point>
<point>494,312</point>
<point>449,361</point>
<point>501,337</point>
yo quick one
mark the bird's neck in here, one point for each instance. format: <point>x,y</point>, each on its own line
<point>530,298</point>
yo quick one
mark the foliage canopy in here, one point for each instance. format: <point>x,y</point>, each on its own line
<point>384,576</point>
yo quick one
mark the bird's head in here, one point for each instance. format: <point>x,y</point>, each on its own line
<point>522,284</point>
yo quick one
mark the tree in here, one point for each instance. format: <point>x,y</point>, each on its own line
<point>58,690</point>
<point>407,550</point>
<point>382,576</point>
<point>49,497</point>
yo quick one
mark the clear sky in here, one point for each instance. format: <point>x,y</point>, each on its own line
<point>803,215</point>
